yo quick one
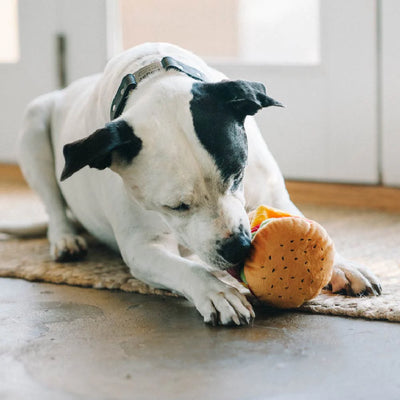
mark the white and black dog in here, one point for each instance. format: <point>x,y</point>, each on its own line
<point>172,174</point>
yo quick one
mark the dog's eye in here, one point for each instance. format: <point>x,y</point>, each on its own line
<point>180,207</point>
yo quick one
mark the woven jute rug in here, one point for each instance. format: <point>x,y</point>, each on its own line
<point>368,237</point>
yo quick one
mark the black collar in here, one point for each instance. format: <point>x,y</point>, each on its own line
<point>130,81</point>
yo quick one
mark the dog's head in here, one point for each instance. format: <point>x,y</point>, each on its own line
<point>181,150</point>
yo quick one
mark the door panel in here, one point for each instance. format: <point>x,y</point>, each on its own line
<point>329,129</point>
<point>390,86</point>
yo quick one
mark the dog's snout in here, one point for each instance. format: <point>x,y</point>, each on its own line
<point>235,248</point>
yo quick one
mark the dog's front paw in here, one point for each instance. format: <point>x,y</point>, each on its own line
<point>68,247</point>
<point>354,280</point>
<point>221,304</point>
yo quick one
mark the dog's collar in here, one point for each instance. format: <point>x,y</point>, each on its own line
<point>130,81</point>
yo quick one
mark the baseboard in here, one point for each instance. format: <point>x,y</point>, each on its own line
<point>347,195</point>
<point>328,194</point>
<point>11,173</point>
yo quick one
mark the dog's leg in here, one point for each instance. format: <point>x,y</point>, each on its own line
<point>158,263</point>
<point>37,163</point>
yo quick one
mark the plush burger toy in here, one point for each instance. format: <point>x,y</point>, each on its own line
<point>290,261</point>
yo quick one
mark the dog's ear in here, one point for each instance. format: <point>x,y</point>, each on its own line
<point>96,150</point>
<point>243,97</point>
<point>246,98</point>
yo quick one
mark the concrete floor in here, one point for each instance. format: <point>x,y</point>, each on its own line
<point>60,342</point>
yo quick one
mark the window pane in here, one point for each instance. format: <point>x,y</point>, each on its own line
<point>259,31</point>
<point>9,46</point>
<point>207,27</point>
<point>279,31</point>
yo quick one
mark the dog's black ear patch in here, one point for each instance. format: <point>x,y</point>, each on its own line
<point>95,150</point>
<point>243,97</point>
<point>218,111</point>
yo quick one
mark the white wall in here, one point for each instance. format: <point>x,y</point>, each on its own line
<point>85,25</point>
<point>32,75</point>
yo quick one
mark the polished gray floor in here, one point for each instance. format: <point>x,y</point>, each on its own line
<point>60,342</point>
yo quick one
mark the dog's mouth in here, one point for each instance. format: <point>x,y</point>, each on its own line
<point>235,272</point>
<point>233,251</point>
<point>223,264</point>
<point>233,269</point>
<point>215,258</point>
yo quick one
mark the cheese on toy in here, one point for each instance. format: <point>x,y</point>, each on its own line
<point>290,261</point>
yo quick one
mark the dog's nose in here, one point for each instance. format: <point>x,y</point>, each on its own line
<point>235,248</point>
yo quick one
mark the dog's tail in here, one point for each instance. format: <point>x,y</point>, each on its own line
<point>24,231</point>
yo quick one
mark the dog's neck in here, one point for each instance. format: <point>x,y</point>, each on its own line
<point>130,81</point>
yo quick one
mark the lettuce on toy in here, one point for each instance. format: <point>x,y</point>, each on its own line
<point>290,261</point>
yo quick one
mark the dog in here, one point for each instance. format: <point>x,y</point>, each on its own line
<point>176,160</point>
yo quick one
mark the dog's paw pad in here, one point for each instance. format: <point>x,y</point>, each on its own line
<point>68,248</point>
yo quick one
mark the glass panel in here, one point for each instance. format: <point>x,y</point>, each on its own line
<point>9,43</point>
<point>206,27</point>
<point>279,31</point>
<point>250,31</point>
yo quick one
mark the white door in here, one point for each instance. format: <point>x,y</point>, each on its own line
<point>329,130</point>
<point>390,91</point>
<point>30,53</point>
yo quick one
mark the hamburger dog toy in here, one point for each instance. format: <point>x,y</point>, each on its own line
<point>290,261</point>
